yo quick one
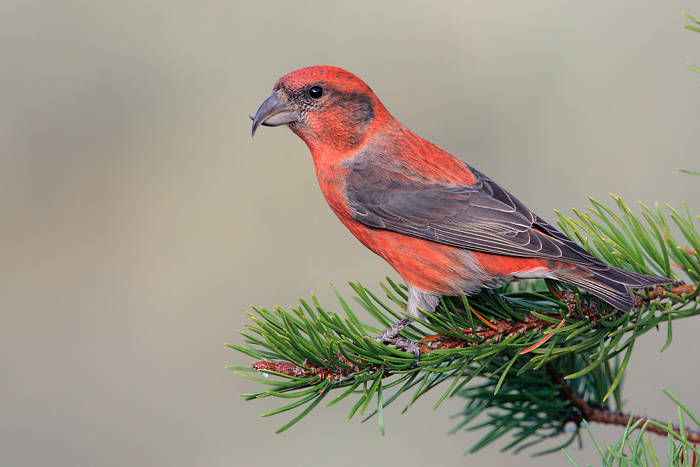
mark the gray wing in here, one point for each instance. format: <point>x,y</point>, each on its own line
<point>481,217</point>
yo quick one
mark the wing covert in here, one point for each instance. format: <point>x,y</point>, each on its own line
<point>481,216</point>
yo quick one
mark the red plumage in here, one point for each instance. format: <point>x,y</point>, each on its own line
<point>446,228</point>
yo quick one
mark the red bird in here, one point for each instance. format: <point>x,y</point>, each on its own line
<point>445,227</point>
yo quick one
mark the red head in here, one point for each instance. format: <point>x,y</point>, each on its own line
<point>327,107</point>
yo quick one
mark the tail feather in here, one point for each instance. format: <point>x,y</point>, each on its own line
<point>613,285</point>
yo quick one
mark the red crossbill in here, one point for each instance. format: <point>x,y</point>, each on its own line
<point>445,227</point>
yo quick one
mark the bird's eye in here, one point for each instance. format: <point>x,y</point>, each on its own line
<point>316,92</point>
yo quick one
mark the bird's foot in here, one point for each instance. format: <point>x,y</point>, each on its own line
<point>391,337</point>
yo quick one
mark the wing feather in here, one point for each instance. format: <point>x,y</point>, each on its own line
<point>481,216</point>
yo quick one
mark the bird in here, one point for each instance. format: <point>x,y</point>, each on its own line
<point>446,228</point>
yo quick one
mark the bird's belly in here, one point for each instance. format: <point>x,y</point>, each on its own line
<point>426,265</point>
<point>442,269</point>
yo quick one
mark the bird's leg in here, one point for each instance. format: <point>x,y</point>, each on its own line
<point>416,299</point>
<point>393,331</point>
<point>391,337</point>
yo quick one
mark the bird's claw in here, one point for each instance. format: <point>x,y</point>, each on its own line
<point>391,337</point>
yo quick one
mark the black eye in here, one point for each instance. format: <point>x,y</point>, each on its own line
<point>316,92</point>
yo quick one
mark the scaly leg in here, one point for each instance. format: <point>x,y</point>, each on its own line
<point>416,299</point>
<point>391,337</point>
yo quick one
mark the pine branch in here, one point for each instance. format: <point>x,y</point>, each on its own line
<point>496,330</point>
<point>591,413</point>
<point>636,452</point>
<point>509,339</point>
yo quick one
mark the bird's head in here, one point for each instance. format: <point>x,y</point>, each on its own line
<point>327,107</point>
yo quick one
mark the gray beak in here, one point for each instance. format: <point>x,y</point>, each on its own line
<point>274,112</point>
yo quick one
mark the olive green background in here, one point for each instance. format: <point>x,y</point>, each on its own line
<point>139,220</point>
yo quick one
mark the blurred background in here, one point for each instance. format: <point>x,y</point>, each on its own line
<point>139,220</point>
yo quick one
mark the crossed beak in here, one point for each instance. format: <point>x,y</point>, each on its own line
<point>274,112</point>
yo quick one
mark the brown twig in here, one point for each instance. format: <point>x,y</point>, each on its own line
<point>677,289</point>
<point>604,415</point>
<point>325,373</point>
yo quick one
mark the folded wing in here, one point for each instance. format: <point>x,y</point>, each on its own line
<point>481,216</point>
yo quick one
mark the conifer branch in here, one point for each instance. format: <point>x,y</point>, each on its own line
<point>591,413</point>
<point>515,340</point>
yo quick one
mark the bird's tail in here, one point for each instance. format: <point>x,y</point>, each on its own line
<point>613,285</point>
